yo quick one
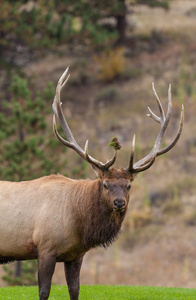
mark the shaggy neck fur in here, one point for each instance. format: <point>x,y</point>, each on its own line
<point>102,223</point>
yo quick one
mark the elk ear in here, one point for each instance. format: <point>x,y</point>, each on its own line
<point>97,171</point>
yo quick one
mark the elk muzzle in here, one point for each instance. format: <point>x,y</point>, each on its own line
<point>119,204</point>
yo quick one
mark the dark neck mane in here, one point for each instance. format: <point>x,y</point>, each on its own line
<point>102,224</point>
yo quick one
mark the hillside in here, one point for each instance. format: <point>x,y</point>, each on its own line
<point>157,244</point>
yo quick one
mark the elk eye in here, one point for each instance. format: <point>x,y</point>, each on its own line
<point>129,187</point>
<point>105,186</point>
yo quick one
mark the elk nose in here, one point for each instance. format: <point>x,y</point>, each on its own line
<point>119,203</point>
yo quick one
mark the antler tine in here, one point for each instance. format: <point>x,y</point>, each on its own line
<point>153,116</point>
<point>158,102</point>
<point>110,162</point>
<point>132,153</point>
<point>71,142</point>
<point>164,124</point>
<point>172,144</point>
<point>100,165</point>
<point>149,159</point>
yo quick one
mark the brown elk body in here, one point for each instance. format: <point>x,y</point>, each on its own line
<point>58,219</point>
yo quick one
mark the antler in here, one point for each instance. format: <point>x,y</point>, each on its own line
<point>149,159</point>
<point>71,142</point>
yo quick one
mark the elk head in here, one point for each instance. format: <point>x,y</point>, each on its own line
<point>116,183</point>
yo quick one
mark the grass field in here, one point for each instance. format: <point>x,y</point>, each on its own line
<point>101,292</point>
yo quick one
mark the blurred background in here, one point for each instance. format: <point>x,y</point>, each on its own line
<point>115,50</point>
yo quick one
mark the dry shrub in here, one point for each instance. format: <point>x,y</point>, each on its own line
<point>108,95</point>
<point>191,219</point>
<point>110,64</point>
<point>173,205</point>
<point>139,218</point>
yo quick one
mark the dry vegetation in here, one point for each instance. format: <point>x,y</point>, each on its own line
<point>157,245</point>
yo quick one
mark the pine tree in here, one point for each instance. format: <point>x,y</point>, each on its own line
<point>35,26</point>
<point>26,140</point>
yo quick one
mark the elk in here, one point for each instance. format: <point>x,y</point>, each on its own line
<point>58,219</point>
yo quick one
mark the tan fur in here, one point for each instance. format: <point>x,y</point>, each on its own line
<point>46,214</point>
<point>31,212</point>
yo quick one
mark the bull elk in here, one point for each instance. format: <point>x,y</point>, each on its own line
<point>58,219</point>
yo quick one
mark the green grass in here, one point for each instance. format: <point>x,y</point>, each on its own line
<point>101,292</point>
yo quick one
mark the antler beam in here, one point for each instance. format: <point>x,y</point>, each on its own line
<point>149,159</point>
<point>70,141</point>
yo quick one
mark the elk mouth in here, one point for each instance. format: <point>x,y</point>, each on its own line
<point>119,210</point>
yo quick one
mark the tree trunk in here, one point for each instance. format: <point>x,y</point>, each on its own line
<point>121,23</point>
<point>18,269</point>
